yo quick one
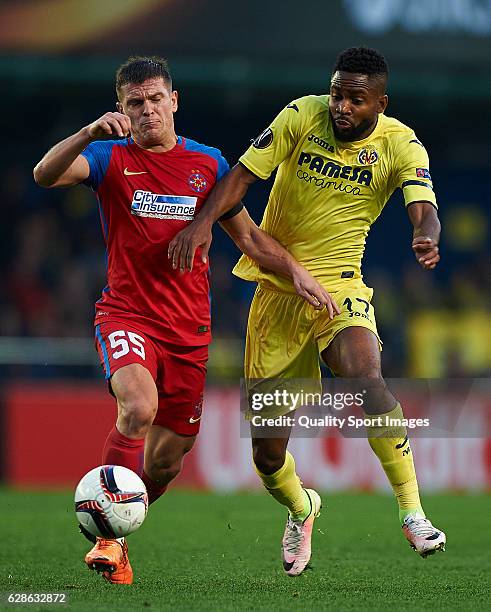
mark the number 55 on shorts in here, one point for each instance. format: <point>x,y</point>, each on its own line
<point>119,346</point>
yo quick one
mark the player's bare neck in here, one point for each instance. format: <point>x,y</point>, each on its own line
<point>368,131</point>
<point>158,147</point>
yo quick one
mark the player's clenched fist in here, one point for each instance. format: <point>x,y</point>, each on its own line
<point>110,124</point>
<point>426,251</point>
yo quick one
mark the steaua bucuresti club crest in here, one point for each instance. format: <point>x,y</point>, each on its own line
<point>197,181</point>
<point>368,156</point>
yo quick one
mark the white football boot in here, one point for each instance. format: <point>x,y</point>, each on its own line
<point>422,536</point>
<point>296,545</point>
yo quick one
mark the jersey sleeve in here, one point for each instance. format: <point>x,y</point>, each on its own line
<point>223,168</point>
<point>98,154</point>
<point>413,173</point>
<point>275,143</point>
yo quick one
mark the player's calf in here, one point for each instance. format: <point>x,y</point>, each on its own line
<point>164,453</point>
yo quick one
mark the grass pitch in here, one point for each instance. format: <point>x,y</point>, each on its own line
<point>202,551</point>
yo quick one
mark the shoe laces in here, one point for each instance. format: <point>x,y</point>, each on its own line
<point>294,536</point>
<point>106,544</point>
<point>421,527</point>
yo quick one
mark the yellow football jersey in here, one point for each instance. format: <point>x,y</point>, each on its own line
<point>327,193</point>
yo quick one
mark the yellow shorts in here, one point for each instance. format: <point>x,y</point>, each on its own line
<point>285,335</point>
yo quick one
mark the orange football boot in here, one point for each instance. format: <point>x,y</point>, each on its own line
<point>111,558</point>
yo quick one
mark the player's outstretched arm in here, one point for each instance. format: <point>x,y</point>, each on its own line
<point>63,166</point>
<point>269,253</point>
<point>426,235</point>
<point>226,194</point>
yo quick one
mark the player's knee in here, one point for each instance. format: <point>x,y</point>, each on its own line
<point>135,417</point>
<point>362,369</point>
<point>268,460</point>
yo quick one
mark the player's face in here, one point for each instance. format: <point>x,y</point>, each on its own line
<point>150,106</point>
<point>354,104</point>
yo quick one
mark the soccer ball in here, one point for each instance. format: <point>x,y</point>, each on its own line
<point>111,501</point>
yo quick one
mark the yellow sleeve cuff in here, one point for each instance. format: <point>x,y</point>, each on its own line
<point>252,167</point>
<point>418,193</point>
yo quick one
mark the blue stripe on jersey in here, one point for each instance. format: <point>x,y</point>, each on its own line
<point>223,167</point>
<point>106,289</point>
<point>98,154</point>
<point>104,351</point>
<point>104,228</point>
<point>407,183</point>
<point>103,221</point>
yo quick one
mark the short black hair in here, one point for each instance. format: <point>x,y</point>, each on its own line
<point>362,60</point>
<point>138,69</point>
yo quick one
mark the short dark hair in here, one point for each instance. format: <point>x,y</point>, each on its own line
<point>138,69</point>
<point>362,60</point>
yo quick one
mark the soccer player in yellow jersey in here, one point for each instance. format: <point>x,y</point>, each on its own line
<point>339,159</point>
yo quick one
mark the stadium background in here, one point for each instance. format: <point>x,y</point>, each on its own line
<point>235,67</point>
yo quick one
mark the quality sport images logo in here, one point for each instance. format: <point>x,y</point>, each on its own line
<point>160,206</point>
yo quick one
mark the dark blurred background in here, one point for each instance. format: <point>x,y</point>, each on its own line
<point>235,66</point>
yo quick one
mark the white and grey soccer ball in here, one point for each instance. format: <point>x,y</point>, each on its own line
<point>111,501</point>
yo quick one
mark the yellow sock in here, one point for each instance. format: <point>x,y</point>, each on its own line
<point>396,458</point>
<point>285,486</point>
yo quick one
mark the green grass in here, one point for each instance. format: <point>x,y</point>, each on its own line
<point>200,551</point>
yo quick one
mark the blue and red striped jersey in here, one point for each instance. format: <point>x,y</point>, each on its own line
<point>145,199</point>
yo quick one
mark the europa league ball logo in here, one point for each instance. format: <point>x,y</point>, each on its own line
<point>104,502</point>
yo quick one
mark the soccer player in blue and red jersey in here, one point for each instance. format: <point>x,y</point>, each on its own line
<point>152,327</point>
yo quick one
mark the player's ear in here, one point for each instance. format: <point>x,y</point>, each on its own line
<point>382,103</point>
<point>174,99</point>
<point>119,107</point>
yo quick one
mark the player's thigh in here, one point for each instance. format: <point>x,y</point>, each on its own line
<point>165,448</point>
<point>353,353</point>
<point>350,347</point>
<point>130,364</point>
<point>180,385</point>
<point>361,347</point>
<point>134,388</point>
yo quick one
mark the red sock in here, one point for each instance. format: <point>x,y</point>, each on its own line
<point>154,490</point>
<point>120,450</point>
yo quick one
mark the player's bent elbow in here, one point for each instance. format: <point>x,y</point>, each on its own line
<point>41,178</point>
<point>249,247</point>
<point>244,243</point>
